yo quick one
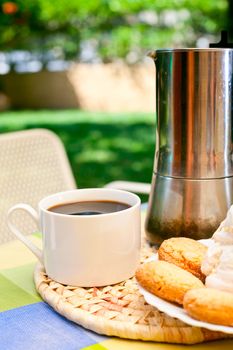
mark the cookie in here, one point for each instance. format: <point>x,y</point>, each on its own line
<point>185,253</point>
<point>210,305</point>
<point>166,280</point>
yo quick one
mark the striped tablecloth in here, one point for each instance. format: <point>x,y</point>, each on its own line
<point>28,323</point>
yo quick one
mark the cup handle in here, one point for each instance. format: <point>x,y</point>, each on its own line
<point>34,249</point>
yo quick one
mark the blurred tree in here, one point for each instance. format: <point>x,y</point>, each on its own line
<point>230,19</point>
<point>108,29</point>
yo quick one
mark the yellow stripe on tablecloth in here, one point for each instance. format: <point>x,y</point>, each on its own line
<point>95,347</point>
<point>124,344</point>
<point>14,253</point>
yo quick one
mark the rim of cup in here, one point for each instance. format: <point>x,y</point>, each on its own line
<point>45,208</point>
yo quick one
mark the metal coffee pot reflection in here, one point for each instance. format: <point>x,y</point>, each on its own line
<point>192,184</point>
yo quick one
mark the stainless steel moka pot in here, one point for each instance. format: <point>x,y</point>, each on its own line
<point>192,184</point>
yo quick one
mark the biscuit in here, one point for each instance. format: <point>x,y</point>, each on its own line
<point>210,305</point>
<point>166,280</point>
<point>185,253</point>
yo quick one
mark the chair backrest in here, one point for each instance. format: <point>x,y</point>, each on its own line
<point>33,164</point>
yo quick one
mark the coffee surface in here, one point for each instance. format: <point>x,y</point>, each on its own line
<point>89,208</point>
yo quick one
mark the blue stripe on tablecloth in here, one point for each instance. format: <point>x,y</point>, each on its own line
<point>38,326</point>
<point>95,336</point>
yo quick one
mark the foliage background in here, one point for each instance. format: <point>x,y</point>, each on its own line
<point>102,147</point>
<point>107,30</point>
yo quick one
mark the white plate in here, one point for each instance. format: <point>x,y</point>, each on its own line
<point>177,311</point>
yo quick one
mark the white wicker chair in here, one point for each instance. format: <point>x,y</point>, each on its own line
<point>131,186</point>
<point>33,164</point>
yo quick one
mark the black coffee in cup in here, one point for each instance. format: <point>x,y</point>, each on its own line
<point>89,207</point>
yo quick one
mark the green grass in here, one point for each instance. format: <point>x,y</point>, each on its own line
<point>101,147</point>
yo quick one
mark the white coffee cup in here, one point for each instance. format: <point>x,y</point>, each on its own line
<point>87,250</point>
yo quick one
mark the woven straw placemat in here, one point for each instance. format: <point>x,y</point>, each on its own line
<point>118,310</point>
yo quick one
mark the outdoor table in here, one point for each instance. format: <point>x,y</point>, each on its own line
<point>28,323</point>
